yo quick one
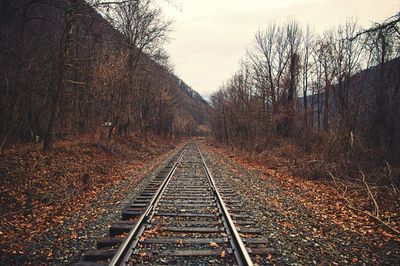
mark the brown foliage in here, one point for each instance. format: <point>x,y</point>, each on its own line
<point>347,120</point>
<point>334,199</point>
<point>66,70</point>
<point>41,189</point>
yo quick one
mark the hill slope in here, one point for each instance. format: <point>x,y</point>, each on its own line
<point>75,66</point>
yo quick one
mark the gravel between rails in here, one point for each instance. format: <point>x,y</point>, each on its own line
<point>67,243</point>
<point>299,235</point>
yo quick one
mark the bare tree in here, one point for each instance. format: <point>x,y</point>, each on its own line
<point>308,42</point>
<point>142,25</point>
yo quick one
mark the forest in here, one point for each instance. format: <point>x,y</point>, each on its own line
<point>91,105</point>
<point>66,70</point>
<point>323,106</point>
<point>334,95</point>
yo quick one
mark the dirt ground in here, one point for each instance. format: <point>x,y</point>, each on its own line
<point>50,214</point>
<point>306,221</point>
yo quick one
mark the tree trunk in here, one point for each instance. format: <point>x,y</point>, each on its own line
<point>59,87</point>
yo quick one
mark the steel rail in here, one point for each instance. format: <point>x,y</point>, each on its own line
<point>239,249</point>
<point>125,250</point>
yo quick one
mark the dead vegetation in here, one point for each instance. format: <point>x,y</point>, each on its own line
<point>372,199</point>
<point>321,107</point>
<point>41,189</point>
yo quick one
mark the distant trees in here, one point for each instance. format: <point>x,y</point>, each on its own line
<point>65,69</point>
<point>295,84</point>
<point>382,45</point>
<point>261,98</point>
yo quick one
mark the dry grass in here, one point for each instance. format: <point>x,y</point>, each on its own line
<point>357,175</point>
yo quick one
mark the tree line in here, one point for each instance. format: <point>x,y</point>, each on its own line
<point>73,66</point>
<point>340,88</point>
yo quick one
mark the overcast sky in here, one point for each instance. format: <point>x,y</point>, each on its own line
<point>210,36</point>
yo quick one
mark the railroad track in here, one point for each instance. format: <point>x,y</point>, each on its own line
<point>184,216</point>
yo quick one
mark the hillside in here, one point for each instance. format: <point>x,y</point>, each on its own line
<point>104,78</point>
<point>362,92</point>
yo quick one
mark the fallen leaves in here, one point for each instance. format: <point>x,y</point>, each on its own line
<point>319,197</point>
<point>74,235</point>
<point>151,232</point>
<point>310,214</point>
<point>142,254</point>
<point>51,182</point>
<point>388,234</point>
<point>287,224</point>
<point>213,244</point>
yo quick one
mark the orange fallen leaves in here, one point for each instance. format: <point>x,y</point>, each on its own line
<point>55,184</point>
<point>213,244</point>
<point>388,234</point>
<point>320,197</point>
<point>288,225</point>
<point>223,254</point>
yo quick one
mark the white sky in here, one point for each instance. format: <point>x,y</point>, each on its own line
<point>210,36</point>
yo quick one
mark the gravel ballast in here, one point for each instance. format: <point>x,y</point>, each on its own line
<point>300,235</point>
<point>65,244</point>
